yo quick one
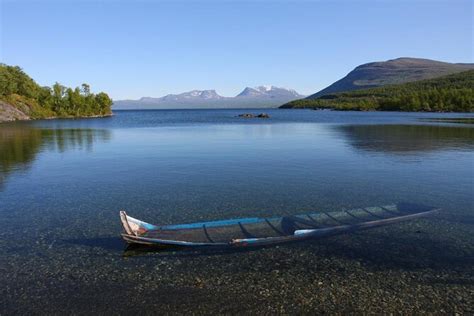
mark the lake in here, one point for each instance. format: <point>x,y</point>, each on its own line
<point>63,182</point>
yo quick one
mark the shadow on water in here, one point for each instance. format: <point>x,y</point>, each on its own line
<point>107,243</point>
<point>411,250</point>
<point>19,145</point>
<point>176,251</point>
<point>378,250</point>
<point>407,139</point>
<point>116,244</point>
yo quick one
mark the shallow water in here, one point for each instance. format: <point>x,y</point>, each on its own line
<point>63,182</point>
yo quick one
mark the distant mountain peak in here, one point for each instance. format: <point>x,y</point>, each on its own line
<point>208,94</point>
<point>249,92</point>
<point>260,96</point>
<point>193,94</point>
<point>268,91</point>
<point>264,88</point>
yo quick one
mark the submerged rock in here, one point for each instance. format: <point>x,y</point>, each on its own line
<point>250,115</point>
<point>246,115</point>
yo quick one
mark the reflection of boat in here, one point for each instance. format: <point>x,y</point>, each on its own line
<point>244,232</point>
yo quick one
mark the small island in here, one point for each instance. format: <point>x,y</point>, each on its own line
<point>250,115</point>
<point>21,98</point>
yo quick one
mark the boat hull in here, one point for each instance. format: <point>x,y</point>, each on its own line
<point>257,232</point>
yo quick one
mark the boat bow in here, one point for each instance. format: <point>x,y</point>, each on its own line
<point>133,226</point>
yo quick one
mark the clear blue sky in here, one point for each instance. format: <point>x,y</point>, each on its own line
<point>150,48</point>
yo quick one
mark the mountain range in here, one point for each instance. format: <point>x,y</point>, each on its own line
<point>258,97</point>
<point>366,76</point>
<point>395,71</point>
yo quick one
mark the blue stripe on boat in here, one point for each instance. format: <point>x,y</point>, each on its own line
<point>228,222</point>
<point>247,220</point>
<point>148,226</point>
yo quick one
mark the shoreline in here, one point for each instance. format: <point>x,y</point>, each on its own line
<point>56,118</point>
<point>279,108</point>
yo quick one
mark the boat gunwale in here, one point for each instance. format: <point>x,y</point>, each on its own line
<point>300,234</point>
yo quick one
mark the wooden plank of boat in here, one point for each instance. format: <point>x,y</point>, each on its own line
<point>254,231</point>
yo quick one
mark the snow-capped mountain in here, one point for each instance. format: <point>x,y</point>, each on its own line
<point>258,97</point>
<point>191,95</point>
<point>269,91</point>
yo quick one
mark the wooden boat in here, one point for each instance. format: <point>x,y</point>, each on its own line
<point>251,232</point>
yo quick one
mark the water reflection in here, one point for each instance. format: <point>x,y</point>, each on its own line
<point>407,139</point>
<point>62,140</point>
<point>18,148</point>
<point>19,145</point>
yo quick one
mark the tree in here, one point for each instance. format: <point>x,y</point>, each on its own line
<point>86,89</point>
<point>17,88</point>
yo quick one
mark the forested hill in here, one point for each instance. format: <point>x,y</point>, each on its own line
<point>452,93</point>
<point>22,98</point>
<point>394,71</point>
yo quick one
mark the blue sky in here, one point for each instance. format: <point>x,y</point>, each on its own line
<point>151,48</point>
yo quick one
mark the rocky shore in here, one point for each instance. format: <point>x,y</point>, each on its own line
<point>9,113</point>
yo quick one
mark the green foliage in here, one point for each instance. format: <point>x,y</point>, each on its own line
<point>452,93</point>
<point>19,90</point>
